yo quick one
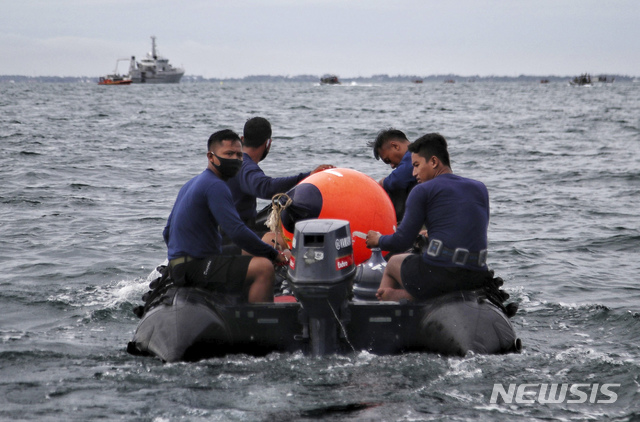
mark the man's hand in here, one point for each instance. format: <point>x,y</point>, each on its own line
<point>373,239</point>
<point>322,167</point>
<point>282,259</point>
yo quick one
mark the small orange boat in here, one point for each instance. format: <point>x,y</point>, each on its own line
<point>114,80</point>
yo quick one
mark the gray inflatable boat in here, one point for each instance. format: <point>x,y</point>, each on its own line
<point>332,310</point>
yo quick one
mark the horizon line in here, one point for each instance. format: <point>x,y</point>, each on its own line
<point>375,76</point>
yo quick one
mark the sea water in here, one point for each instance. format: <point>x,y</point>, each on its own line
<point>88,176</point>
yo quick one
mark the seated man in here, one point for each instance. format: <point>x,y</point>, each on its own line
<point>391,146</point>
<point>455,211</point>
<point>251,182</point>
<point>203,204</point>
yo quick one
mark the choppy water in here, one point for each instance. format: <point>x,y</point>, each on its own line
<point>88,175</point>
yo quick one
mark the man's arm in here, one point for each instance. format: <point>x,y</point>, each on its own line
<point>254,182</point>
<point>402,239</point>
<point>167,228</point>
<point>221,206</point>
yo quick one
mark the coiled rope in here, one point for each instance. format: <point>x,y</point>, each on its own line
<point>274,222</point>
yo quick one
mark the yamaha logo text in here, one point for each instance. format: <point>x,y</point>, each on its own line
<point>554,393</point>
<point>343,242</point>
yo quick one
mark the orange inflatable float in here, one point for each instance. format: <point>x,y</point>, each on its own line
<point>342,194</point>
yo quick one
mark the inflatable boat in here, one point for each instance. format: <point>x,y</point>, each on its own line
<point>332,310</point>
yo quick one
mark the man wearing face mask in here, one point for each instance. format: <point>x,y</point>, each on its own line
<point>193,239</point>
<point>251,182</point>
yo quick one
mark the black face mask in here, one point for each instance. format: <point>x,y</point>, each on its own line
<point>228,167</point>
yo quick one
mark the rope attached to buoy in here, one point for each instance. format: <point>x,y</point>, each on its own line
<point>274,222</point>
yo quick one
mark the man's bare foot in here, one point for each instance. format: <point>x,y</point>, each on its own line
<point>392,295</point>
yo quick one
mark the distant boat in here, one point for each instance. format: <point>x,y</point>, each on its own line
<point>605,79</point>
<point>417,81</point>
<point>329,80</point>
<point>154,69</point>
<point>544,81</point>
<point>449,81</point>
<point>114,79</point>
<point>582,80</point>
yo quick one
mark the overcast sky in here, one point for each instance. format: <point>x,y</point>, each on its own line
<point>236,38</point>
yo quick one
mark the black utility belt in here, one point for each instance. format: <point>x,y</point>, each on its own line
<point>180,260</point>
<point>459,256</point>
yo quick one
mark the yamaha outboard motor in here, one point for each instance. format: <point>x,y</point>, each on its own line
<point>368,276</point>
<point>320,270</point>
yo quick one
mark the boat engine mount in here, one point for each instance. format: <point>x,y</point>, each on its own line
<point>368,276</point>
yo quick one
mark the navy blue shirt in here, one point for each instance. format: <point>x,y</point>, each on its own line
<point>251,183</point>
<point>401,178</point>
<point>454,209</point>
<point>203,203</point>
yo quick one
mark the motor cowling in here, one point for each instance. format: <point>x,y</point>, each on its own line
<point>321,252</point>
<point>320,270</point>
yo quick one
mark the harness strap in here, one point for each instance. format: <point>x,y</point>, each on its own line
<point>459,256</point>
<point>180,260</point>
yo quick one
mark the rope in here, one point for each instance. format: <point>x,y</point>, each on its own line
<point>274,222</point>
<point>344,330</point>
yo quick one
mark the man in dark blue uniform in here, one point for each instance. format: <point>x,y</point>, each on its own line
<point>392,147</point>
<point>455,211</point>
<point>192,236</point>
<point>251,182</point>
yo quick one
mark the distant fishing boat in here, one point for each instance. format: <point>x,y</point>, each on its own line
<point>582,80</point>
<point>329,80</point>
<point>605,79</point>
<point>115,78</point>
<point>154,69</point>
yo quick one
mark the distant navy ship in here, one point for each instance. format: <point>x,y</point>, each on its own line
<point>154,69</point>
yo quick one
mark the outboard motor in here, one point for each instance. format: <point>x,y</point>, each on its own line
<point>320,270</point>
<point>368,276</point>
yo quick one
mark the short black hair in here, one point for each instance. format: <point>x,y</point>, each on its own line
<point>256,131</point>
<point>429,145</point>
<point>222,135</point>
<point>385,136</point>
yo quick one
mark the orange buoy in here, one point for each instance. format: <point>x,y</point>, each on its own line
<point>343,194</point>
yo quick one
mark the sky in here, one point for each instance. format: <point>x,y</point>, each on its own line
<point>350,38</point>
